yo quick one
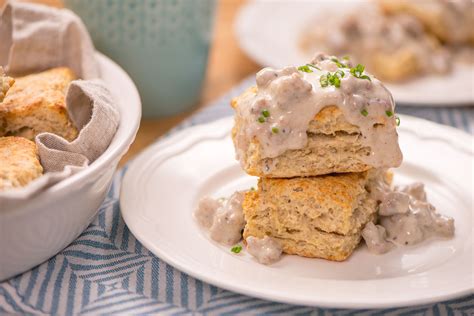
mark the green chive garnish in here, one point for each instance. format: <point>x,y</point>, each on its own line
<point>261,119</point>
<point>364,112</point>
<point>335,81</point>
<point>275,130</point>
<point>323,80</point>
<point>389,113</point>
<point>358,71</point>
<point>397,120</point>
<point>311,65</point>
<point>265,113</point>
<point>305,68</point>
<point>236,249</point>
<point>332,79</point>
<point>338,63</point>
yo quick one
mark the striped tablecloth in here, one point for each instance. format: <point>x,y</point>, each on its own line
<point>106,270</point>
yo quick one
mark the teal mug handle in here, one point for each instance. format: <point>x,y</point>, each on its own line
<point>162,44</point>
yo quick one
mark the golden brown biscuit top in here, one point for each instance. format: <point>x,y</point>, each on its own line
<point>19,162</point>
<point>341,189</point>
<point>46,87</point>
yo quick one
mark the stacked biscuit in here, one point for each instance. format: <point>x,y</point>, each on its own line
<point>28,106</point>
<point>314,200</point>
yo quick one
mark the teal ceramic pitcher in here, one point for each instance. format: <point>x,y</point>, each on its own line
<point>162,44</point>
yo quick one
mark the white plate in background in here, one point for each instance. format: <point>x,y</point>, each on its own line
<point>164,184</point>
<point>268,31</point>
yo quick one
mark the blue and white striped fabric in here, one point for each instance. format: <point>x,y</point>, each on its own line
<point>106,270</point>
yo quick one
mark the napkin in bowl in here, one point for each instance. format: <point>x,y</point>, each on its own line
<point>35,38</point>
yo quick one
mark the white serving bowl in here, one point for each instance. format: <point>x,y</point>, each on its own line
<point>36,229</point>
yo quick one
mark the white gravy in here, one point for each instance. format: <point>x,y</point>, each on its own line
<point>366,32</point>
<point>222,218</point>
<point>266,250</point>
<point>375,237</point>
<point>406,218</point>
<point>291,98</point>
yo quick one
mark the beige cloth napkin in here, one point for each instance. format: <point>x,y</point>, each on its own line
<point>34,38</point>
<point>90,105</point>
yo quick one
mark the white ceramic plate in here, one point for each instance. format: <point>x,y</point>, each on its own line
<point>268,31</point>
<point>163,185</point>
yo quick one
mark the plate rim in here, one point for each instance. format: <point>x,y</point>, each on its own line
<point>462,139</point>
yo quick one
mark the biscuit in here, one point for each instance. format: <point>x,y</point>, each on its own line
<point>332,203</point>
<point>334,145</point>
<point>5,84</point>
<point>393,47</point>
<point>19,162</point>
<point>451,21</point>
<point>305,240</point>
<point>313,217</point>
<point>36,104</point>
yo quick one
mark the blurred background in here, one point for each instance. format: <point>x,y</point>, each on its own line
<point>183,54</point>
<point>221,67</point>
<point>227,66</point>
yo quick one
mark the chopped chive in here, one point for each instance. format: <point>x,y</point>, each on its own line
<point>397,120</point>
<point>265,113</point>
<point>275,130</point>
<point>236,249</point>
<point>261,119</point>
<point>347,57</point>
<point>323,80</point>
<point>358,71</point>
<point>311,65</point>
<point>304,68</point>
<point>364,112</point>
<point>252,189</point>
<point>333,79</point>
<point>389,113</point>
<point>338,63</point>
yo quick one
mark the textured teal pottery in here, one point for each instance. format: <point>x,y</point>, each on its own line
<point>162,44</point>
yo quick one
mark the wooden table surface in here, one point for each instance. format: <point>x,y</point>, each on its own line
<point>227,66</point>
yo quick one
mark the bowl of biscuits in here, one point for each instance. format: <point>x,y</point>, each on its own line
<point>38,226</point>
<point>65,122</point>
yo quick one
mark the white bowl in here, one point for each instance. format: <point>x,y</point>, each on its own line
<point>36,229</point>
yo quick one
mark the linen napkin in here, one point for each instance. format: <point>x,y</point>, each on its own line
<point>34,38</point>
<point>38,38</point>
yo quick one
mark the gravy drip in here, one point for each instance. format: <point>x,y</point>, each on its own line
<point>406,218</point>
<point>266,250</point>
<point>222,218</point>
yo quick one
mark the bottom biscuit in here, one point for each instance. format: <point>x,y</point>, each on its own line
<point>316,244</point>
